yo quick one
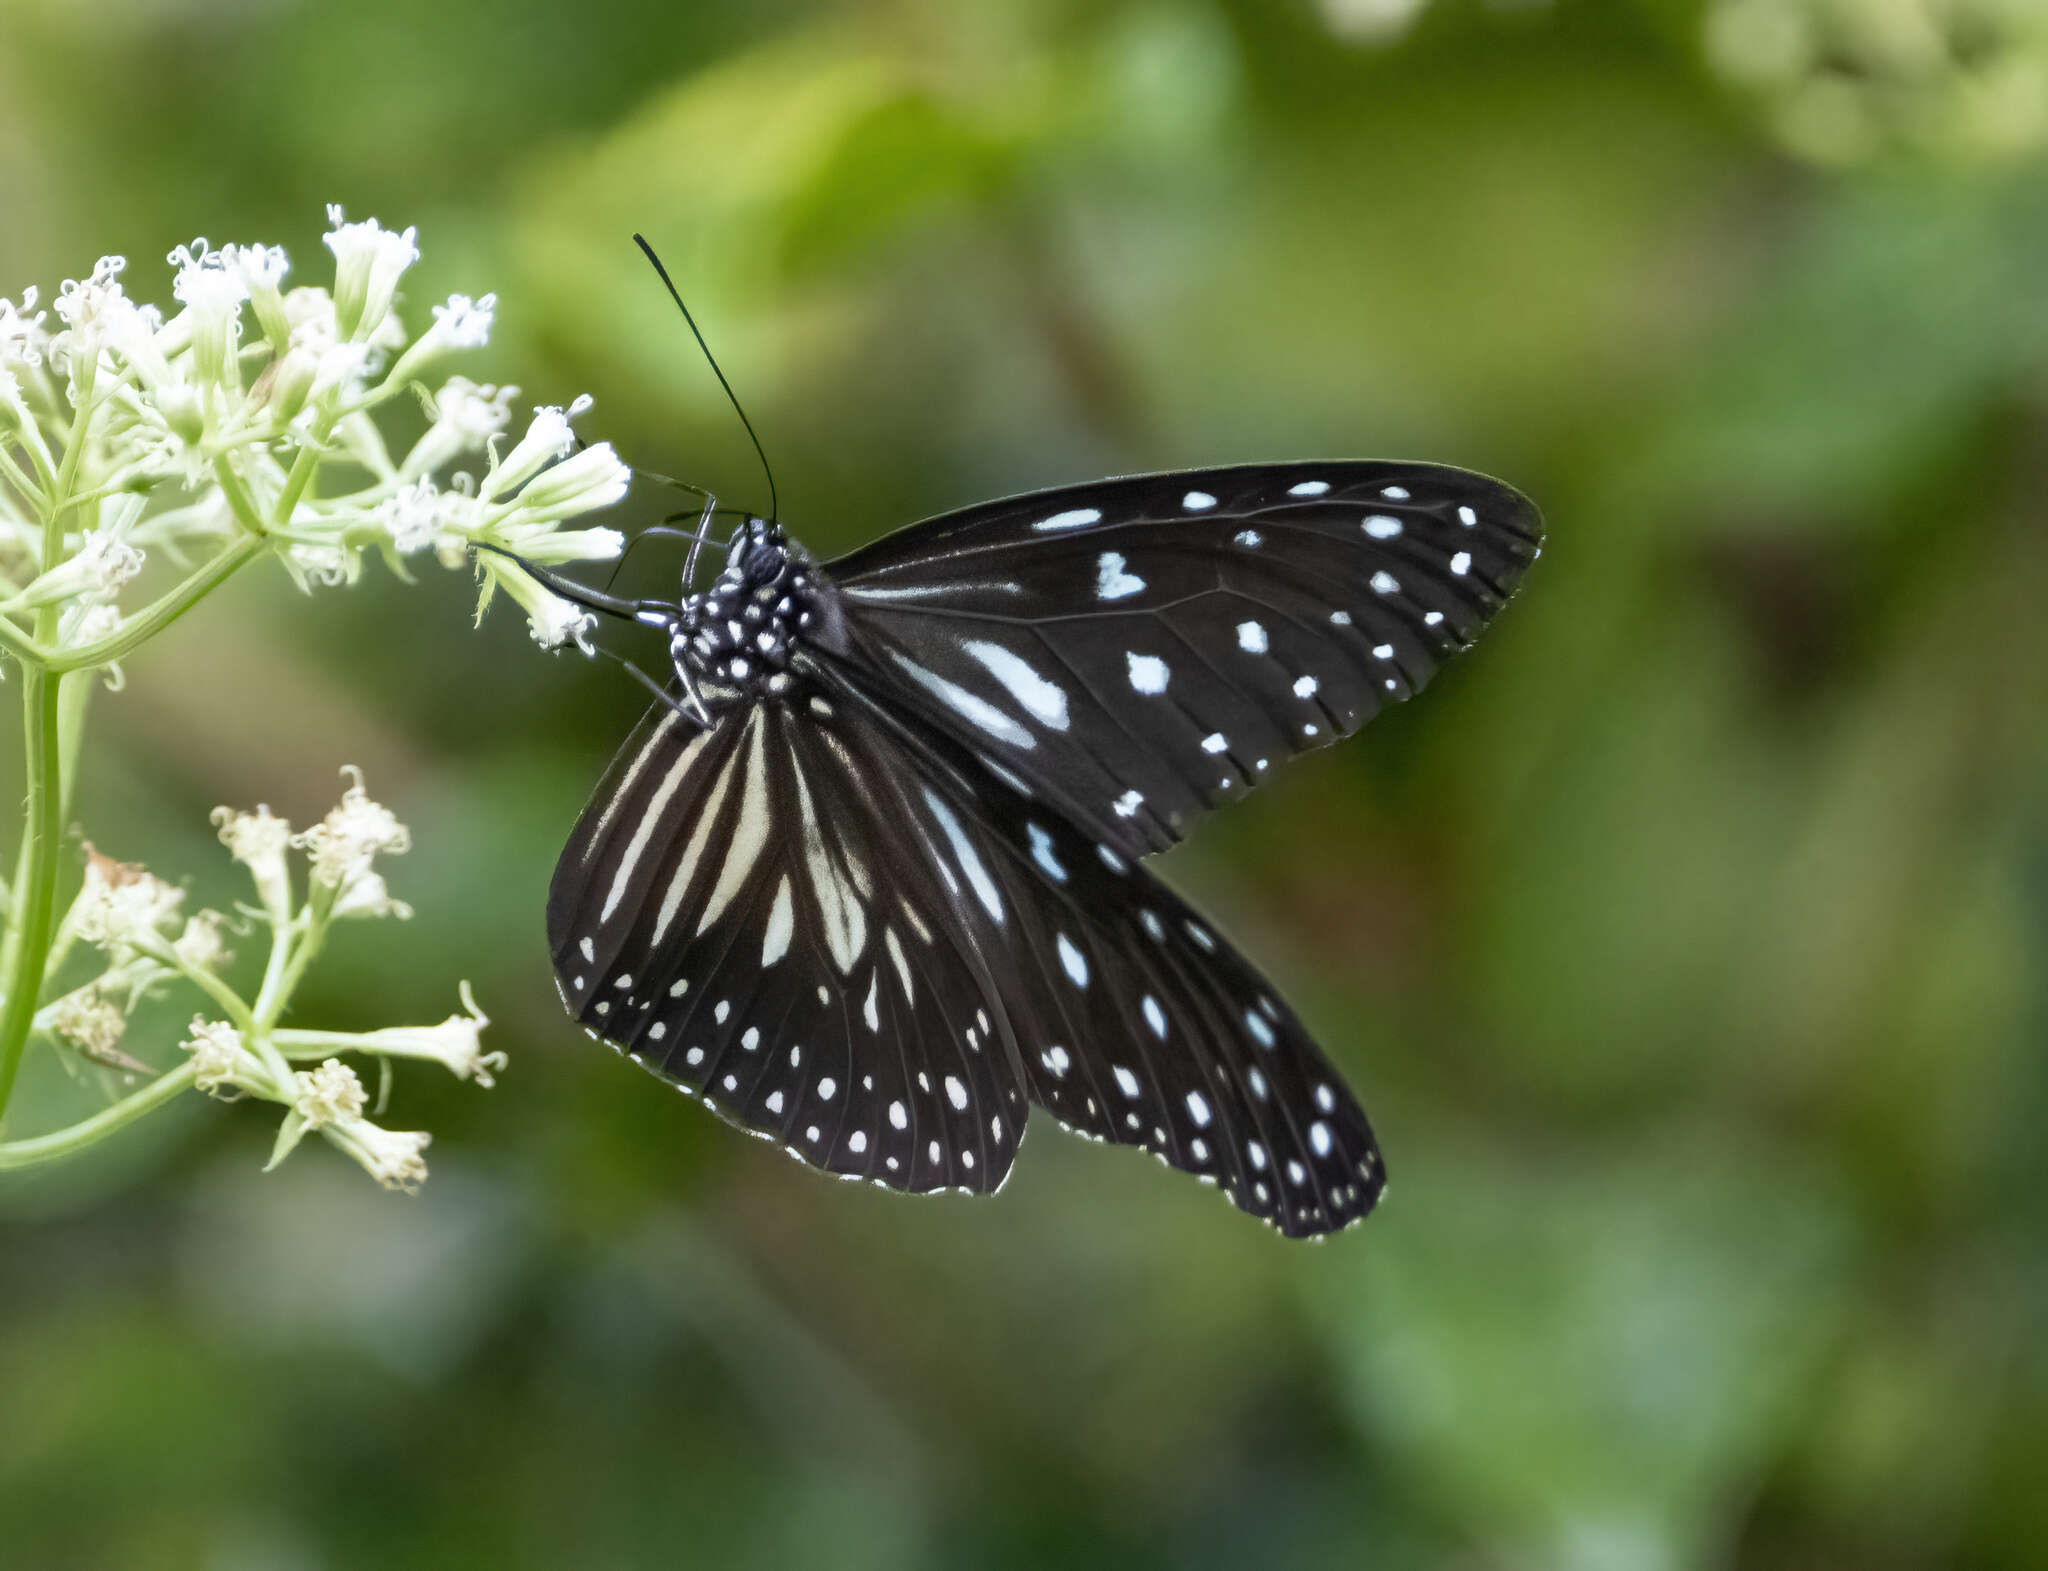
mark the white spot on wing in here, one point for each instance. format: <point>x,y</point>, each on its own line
<point>870,1011</point>
<point>1148,673</point>
<point>956,1093</point>
<point>1111,581</point>
<point>1042,854</point>
<point>1073,518</point>
<point>1126,1081</point>
<point>1155,1017</point>
<point>1197,501</point>
<point>1073,960</point>
<point>1381,527</point>
<point>1461,564</point>
<point>1309,488</point>
<point>1385,583</point>
<point>1305,687</point>
<point>1215,742</point>
<point>1198,1109</point>
<point>1251,637</point>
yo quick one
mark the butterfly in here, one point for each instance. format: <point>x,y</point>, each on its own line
<point>868,879</point>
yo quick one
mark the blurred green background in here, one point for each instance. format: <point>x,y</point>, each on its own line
<point>1685,941</point>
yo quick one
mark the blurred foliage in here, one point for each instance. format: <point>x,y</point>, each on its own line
<point>1685,941</point>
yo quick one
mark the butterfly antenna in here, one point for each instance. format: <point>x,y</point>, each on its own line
<point>774,507</point>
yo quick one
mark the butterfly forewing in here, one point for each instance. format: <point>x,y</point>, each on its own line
<point>749,912</point>
<point>1140,650</point>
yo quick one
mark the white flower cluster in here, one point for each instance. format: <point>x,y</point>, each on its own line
<point>136,921</point>
<point>156,437</point>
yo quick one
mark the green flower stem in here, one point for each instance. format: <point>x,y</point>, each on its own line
<point>36,887</point>
<point>301,475</point>
<point>31,493</point>
<point>19,644</point>
<point>161,613</point>
<point>67,1142</point>
<point>283,981</point>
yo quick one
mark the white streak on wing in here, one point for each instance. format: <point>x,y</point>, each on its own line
<point>751,834</point>
<point>869,1011</point>
<point>919,591</point>
<point>781,924</point>
<point>970,862</point>
<point>845,919</point>
<point>669,722</point>
<point>1042,852</point>
<point>901,961</point>
<point>649,819</point>
<point>707,815</point>
<point>1030,689</point>
<point>1073,518</point>
<point>977,710</point>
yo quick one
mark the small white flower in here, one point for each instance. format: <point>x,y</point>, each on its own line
<point>219,1061</point>
<point>416,514</point>
<point>212,290</point>
<point>369,260</point>
<point>122,904</point>
<point>466,418</point>
<point>23,338</point>
<point>97,314</point>
<point>84,622</point>
<point>396,1158</point>
<point>552,620</point>
<point>367,896</point>
<point>591,479</point>
<point>258,841</point>
<point>107,561</point>
<point>344,844</point>
<point>327,565</point>
<point>88,1022</point>
<point>201,945</point>
<point>456,1042</point>
<point>464,323</point>
<point>262,268</point>
<point>331,1094</point>
<point>547,439</point>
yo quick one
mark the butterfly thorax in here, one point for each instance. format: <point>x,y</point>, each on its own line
<point>738,637</point>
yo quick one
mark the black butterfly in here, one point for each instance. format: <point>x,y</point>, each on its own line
<point>867,879</point>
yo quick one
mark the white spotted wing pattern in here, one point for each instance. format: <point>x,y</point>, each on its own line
<point>1158,652</point>
<point>888,897</point>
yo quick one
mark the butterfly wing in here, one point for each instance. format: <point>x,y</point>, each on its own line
<point>1143,649</point>
<point>740,911</point>
<point>1134,1021</point>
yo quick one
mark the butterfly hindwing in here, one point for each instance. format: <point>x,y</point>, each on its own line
<point>1136,1023</point>
<point>740,911</point>
<point>1143,649</point>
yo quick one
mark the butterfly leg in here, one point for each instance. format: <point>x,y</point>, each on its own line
<point>651,613</point>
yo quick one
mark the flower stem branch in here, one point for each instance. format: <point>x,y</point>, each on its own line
<point>161,613</point>
<point>36,889</point>
<point>69,1141</point>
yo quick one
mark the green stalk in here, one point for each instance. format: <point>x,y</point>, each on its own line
<point>36,890</point>
<point>66,1142</point>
